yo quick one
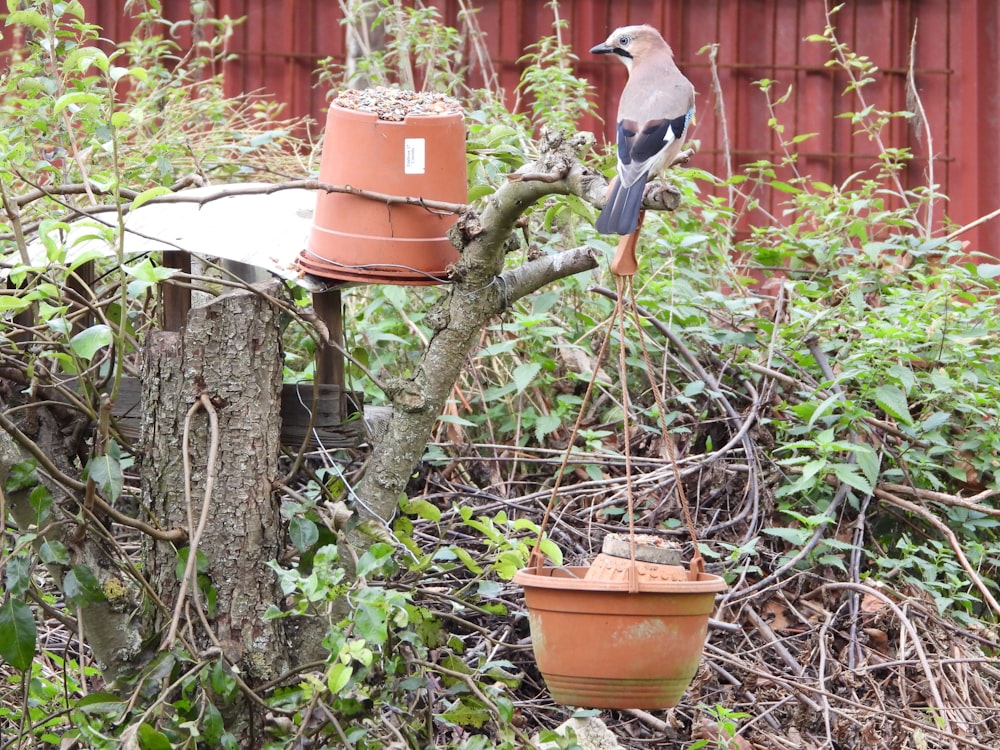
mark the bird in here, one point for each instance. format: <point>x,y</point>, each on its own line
<point>656,106</point>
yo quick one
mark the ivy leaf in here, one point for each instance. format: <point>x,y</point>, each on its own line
<point>100,703</point>
<point>81,586</point>
<point>53,552</point>
<point>303,533</point>
<point>471,714</point>
<point>17,634</point>
<point>892,401</point>
<point>376,560</point>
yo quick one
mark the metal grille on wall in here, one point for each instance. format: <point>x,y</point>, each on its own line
<point>278,46</point>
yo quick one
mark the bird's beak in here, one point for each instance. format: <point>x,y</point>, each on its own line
<point>602,49</point>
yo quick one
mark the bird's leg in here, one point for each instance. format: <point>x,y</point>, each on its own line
<point>625,263</point>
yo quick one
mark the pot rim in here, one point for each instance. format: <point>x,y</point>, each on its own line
<point>366,115</point>
<point>707,583</point>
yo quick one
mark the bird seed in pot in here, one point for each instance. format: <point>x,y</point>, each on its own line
<point>395,105</point>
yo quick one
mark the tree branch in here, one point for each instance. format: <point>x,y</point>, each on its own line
<point>482,289</point>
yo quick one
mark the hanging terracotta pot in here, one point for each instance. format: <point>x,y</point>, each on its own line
<point>599,646</point>
<point>363,240</point>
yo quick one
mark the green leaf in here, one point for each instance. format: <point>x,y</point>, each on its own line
<point>222,680</point>
<point>892,401</point>
<point>41,501</point>
<point>455,419</point>
<point>75,98</point>
<point>152,739</point>
<point>303,533</point>
<point>100,703</point>
<point>524,374</point>
<point>212,725</point>
<point>868,462</point>
<point>119,119</point>
<point>147,195</point>
<point>17,634</point>
<point>988,270</point>
<point>422,509</point>
<point>693,388</point>
<point>848,474</point>
<point>467,560</point>
<point>375,560</point>
<point>81,586</point>
<point>338,677</point>
<point>467,715</point>
<point>552,551</point>
<point>26,18</point>
<point>795,537</point>
<point>146,270</point>
<point>90,341</point>
<point>81,58</point>
<point>201,562</point>
<point>10,303</point>
<point>52,551</point>
<point>106,472</point>
<point>501,347</point>
<point>17,574</point>
<point>508,563</point>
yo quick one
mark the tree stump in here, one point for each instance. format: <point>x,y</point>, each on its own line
<point>230,351</point>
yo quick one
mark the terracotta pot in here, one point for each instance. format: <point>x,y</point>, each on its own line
<point>363,240</point>
<point>598,646</point>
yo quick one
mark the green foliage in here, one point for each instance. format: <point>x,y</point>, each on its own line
<point>873,366</point>
<point>724,723</point>
<point>91,123</point>
<point>558,98</point>
<point>379,654</point>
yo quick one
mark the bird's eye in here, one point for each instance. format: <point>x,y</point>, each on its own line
<point>624,40</point>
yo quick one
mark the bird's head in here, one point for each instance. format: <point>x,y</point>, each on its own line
<point>631,43</point>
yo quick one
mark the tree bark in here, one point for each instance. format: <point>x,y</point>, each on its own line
<point>228,355</point>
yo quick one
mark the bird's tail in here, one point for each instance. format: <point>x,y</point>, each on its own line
<point>620,214</point>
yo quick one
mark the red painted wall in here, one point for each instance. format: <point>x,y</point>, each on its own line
<point>957,60</point>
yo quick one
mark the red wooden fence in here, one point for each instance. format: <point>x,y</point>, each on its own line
<point>957,64</point>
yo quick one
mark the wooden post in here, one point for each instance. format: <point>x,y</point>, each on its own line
<point>175,299</point>
<point>330,360</point>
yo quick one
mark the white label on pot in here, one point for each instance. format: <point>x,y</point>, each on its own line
<point>415,156</point>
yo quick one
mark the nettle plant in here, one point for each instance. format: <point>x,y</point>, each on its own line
<point>890,334</point>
